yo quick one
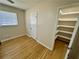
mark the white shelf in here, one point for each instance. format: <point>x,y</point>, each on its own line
<point>56,36</point>
<point>57,31</point>
<point>67,19</point>
<point>67,26</point>
<point>65,31</point>
<point>64,37</point>
<point>68,13</point>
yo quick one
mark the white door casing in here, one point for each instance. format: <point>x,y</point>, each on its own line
<point>72,39</point>
<point>33,24</point>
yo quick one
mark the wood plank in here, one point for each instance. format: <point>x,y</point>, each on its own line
<point>27,48</point>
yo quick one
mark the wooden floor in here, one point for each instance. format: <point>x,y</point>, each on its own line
<point>27,48</point>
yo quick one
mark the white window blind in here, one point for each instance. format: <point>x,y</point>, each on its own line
<point>8,18</point>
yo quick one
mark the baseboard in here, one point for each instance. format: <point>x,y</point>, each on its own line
<point>44,45</point>
<point>11,38</point>
<point>28,35</point>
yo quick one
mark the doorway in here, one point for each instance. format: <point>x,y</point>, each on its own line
<point>67,27</point>
<point>33,24</point>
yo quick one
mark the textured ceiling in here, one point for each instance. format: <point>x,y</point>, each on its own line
<point>25,4</point>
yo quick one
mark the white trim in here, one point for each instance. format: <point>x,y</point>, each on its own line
<point>72,39</point>
<point>67,26</point>
<point>28,35</point>
<point>64,37</point>
<point>63,13</point>
<point>57,31</point>
<point>11,38</point>
<point>44,45</point>
<point>39,42</point>
<point>56,37</point>
<point>65,31</point>
<point>67,19</point>
<point>74,33</point>
<point>67,54</point>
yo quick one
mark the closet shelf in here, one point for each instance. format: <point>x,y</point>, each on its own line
<point>64,31</point>
<point>57,31</point>
<point>67,19</point>
<point>56,36</point>
<point>63,37</point>
<point>67,26</point>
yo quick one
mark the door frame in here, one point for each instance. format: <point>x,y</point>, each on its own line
<point>72,39</point>
<point>36,15</point>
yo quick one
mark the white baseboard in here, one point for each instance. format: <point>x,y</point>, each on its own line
<point>40,42</point>
<point>11,38</point>
<point>28,35</point>
<point>44,45</point>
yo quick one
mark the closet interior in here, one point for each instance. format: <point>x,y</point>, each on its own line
<point>65,27</point>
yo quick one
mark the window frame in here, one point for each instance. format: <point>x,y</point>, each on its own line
<point>17,22</point>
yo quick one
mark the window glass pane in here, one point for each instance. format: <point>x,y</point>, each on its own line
<point>8,18</point>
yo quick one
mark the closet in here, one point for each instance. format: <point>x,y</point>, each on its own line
<point>65,28</point>
<point>68,23</point>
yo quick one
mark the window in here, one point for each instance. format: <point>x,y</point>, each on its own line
<point>8,18</point>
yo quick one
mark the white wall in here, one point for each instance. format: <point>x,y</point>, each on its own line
<point>47,21</point>
<point>7,32</point>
